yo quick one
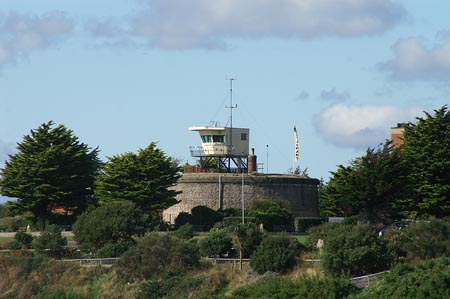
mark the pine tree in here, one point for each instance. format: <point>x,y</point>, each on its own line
<point>51,169</point>
<point>144,178</point>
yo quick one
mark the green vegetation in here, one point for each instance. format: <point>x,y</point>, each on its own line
<point>115,217</point>
<point>276,253</point>
<point>108,230</point>
<point>270,212</point>
<point>354,250</point>
<point>217,243</point>
<point>368,187</point>
<point>51,169</point>
<point>426,280</point>
<point>50,241</point>
<point>387,184</point>
<point>157,253</point>
<point>426,154</point>
<point>143,178</point>
<point>303,287</point>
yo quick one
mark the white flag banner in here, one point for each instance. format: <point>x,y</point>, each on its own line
<point>296,154</point>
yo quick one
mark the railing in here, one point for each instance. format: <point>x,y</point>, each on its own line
<point>93,262</point>
<point>366,280</point>
<point>224,261</point>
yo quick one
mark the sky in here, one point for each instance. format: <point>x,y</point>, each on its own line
<point>124,73</point>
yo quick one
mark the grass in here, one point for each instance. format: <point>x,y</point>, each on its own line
<point>301,238</point>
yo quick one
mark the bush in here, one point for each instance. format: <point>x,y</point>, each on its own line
<point>24,239</point>
<point>427,239</point>
<point>275,254</point>
<point>10,224</point>
<point>156,253</point>
<point>115,223</point>
<point>270,212</point>
<point>200,216</point>
<point>429,279</point>
<point>51,241</point>
<point>246,237</point>
<point>169,285</point>
<point>318,232</point>
<point>185,232</point>
<point>217,243</point>
<point>354,250</point>
<point>305,287</point>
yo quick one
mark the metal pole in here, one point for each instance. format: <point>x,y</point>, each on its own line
<point>242,197</point>
<point>220,191</point>
<point>267,159</point>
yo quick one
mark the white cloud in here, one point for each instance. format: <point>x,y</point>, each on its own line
<point>334,95</point>
<point>181,24</point>
<point>361,126</point>
<point>415,61</point>
<point>22,34</point>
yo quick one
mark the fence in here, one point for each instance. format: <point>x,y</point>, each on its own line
<point>225,261</point>
<point>93,262</point>
<point>366,280</point>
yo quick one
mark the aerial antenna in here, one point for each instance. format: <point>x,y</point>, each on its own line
<point>231,107</point>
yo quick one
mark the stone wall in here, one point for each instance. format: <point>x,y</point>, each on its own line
<point>205,189</point>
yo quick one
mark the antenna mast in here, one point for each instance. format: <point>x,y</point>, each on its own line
<point>231,107</point>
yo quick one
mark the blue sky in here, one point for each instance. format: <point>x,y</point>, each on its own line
<point>124,73</point>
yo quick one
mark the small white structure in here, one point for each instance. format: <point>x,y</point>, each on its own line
<point>222,141</point>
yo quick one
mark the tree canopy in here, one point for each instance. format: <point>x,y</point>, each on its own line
<point>109,229</point>
<point>51,169</point>
<point>144,178</point>
<point>368,187</point>
<point>426,153</point>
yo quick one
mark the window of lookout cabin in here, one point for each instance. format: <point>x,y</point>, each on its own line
<point>243,136</point>
<point>206,138</point>
<point>218,138</point>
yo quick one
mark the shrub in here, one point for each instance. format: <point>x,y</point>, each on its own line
<point>169,285</point>
<point>51,240</point>
<point>10,224</point>
<point>185,231</point>
<point>270,212</point>
<point>218,242</point>
<point>276,254</point>
<point>354,250</point>
<point>306,287</point>
<point>114,223</point>
<point>427,239</point>
<point>318,232</point>
<point>24,239</point>
<point>200,216</point>
<point>246,237</point>
<point>429,279</point>
<point>156,253</point>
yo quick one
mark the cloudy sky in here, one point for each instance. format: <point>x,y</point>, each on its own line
<point>124,73</point>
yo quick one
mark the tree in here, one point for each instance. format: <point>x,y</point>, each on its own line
<point>426,152</point>
<point>109,230</point>
<point>51,241</point>
<point>369,187</point>
<point>144,178</point>
<point>51,169</point>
